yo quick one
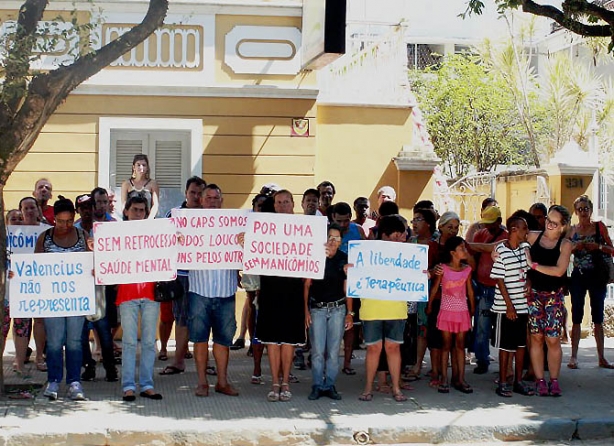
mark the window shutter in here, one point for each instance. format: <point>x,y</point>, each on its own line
<point>125,149</point>
<point>169,164</point>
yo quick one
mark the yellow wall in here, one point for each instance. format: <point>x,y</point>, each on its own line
<point>355,147</point>
<point>246,142</point>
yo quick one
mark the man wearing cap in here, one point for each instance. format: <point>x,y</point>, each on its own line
<point>485,289</point>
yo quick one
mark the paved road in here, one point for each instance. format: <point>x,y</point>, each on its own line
<point>586,411</point>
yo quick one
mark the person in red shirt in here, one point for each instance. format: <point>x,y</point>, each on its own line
<point>485,288</point>
<point>42,193</point>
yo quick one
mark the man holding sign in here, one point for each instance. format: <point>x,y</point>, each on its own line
<point>212,310</point>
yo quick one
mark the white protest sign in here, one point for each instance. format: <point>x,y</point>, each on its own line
<point>210,238</point>
<point>387,270</point>
<point>52,285</point>
<point>285,245</point>
<point>135,251</point>
<point>21,239</point>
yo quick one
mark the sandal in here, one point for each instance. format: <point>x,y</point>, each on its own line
<point>384,388</point>
<point>273,396</point>
<point>406,386</point>
<point>202,390</point>
<point>399,397</point>
<point>443,388</point>
<point>605,364</point>
<point>463,387</point>
<point>163,357</point>
<point>285,395</point>
<point>434,383</point>
<point>211,370</point>
<point>348,371</point>
<point>188,355</point>
<point>504,391</point>
<point>257,379</point>
<point>573,364</point>
<point>293,379</point>
<point>366,397</point>
<point>171,370</point>
<point>41,366</point>
<point>410,377</point>
<point>523,389</point>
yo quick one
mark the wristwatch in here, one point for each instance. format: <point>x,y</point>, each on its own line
<point>351,313</point>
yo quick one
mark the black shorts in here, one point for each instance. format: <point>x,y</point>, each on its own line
<point>434,338</point>
<point>509,335</point>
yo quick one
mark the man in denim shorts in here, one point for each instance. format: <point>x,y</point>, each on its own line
<point>212,310</point>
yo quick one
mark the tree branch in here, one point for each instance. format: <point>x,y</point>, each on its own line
<point>567,22</point>
<point>18,60</point>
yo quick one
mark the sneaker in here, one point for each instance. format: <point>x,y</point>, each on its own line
<point>555,389</point>
<point>89,374</point>
<point>238,344</point>
<point>75,392</point>
<point>112,375</point>
<point>541,388</point>
<point>332,394</point>
<point>315,393</point>
<point>51,391</point>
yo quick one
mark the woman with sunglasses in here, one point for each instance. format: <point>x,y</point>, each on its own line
<point>588,237</point>
<point>549,257</point>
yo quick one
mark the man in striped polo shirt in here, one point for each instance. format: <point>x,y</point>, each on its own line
<point>212,310</point>
<point>510,307</point>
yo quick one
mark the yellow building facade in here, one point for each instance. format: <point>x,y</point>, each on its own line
<point>219,92</point>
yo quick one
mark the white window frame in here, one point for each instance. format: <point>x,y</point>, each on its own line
<point>107,125</point>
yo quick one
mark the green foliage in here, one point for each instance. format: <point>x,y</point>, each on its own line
<point>471,116</point>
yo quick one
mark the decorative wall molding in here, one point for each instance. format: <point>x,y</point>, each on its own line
<point>271,50</point>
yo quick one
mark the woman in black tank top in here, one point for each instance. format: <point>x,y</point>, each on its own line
<point>549,257</point>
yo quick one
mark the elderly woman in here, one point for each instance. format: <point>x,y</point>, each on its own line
<point>588,237</point>
<point>550,252</point>
<point>281,317</point>
<point>63,332</point>
<point>141,183</point>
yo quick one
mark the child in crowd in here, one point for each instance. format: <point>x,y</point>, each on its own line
<point>510,307</point>
<point>454,318</point>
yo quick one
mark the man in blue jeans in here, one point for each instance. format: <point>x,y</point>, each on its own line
<point>327,315</point>
<point>211,309</point>
<point>485,289</point>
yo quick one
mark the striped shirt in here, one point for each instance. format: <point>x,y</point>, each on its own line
<point>511,266</point>
<point>214,282</point>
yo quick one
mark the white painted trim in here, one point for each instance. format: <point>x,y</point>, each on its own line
<point>364,104</point>
<point>238,91</point>
<point>105,125</point>
<point>279,8</point>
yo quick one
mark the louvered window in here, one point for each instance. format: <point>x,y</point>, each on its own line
<point>168,153</point>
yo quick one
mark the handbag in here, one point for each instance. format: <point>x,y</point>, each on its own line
<point>101,304</point>
<point>168,291</point>
<point>602,263</point>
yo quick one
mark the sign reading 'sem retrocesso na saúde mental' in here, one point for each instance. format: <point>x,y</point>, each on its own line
<point>52,285</point>
<point>210,238</point>
<point>135,251</point>
<point>387,271</point>
<point>285,245</point>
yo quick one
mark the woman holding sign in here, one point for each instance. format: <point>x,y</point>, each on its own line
<point>140,183</point>
<point>134,300</point>
<point>281,317</point>
<point>64,332</point>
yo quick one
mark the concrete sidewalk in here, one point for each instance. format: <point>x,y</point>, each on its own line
<point>585,411</point>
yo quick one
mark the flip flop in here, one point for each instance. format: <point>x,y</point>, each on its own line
<point>606,365</point>
<point>211,370</point>
<point>573,364</point>
<point>365,397</point>
<point>410,377</point>
<point>163,357</point>
<point>348,371</point>
<point>188,355</point>
<point>151,396</point>
<point>171,370</point>
<point>463,388</point>
<point>399,397</point>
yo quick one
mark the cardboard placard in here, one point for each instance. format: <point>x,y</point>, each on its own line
<point>135,251</point>
<point>387,270</point>
<point>285,245</point>
<point>210,238</point>
<point>21,239</point>
<point>52,285</point>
